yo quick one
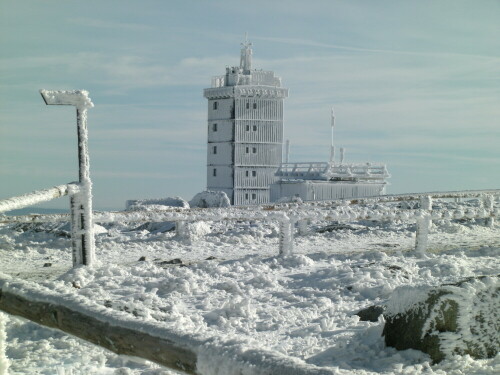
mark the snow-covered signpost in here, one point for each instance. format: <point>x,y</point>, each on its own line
<point>82,232</point>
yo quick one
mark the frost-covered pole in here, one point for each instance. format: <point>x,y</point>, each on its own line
<point>488,203</point>
<point>302,226</point>
<point>82,231</point>
<point>286,235</point>
<point>182,230</point>
<point>423,225</point>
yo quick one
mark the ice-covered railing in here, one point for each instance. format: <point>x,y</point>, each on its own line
<point>82,232</point>
<point>256,77</point>
<point>332,171</point>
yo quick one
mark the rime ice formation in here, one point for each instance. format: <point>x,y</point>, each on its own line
<point>156,204</point>
<point>207,199</point>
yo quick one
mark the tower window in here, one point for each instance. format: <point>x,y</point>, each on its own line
<point>254,150</point>
<point>215,172</point>
<point>248,105</point>
<point>254,196</point>
<point>214,127</point>
<point>216,105</point>
<point>254,105</point>
<point>246,196</point>
<point>246,174</point>
<point>254,173</point>
<point>214,149</point>
<point>247,128</point>
<point>254,128</point>
<point>247,150</point>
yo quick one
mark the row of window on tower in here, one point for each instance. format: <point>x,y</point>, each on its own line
<point>247,127</point>
<point>247,173</point>
<point>215,105</point>
<point>247,150</point>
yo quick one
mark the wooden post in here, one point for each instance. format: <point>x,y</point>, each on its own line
<point>82,227</point>
<point>423,225</point>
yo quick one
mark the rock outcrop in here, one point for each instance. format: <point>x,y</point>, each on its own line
<point>461,318</point>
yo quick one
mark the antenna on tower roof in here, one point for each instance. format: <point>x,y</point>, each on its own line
<point>332,147</point>
<point>246,56</point>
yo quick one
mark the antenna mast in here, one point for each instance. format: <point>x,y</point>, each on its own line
<point>332,147</point>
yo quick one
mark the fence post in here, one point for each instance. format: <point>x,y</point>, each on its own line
<point>286,236</point>
<point>82,226</point>
<point>423,225</point>
<point>182,230</point>
<point>488,203</point>
<point>302,227</point>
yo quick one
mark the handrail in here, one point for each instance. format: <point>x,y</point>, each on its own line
<point>38,196</point>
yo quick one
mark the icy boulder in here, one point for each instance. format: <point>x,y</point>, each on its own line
<point>460,318</point>
<point>208,198</point>
<point>294,199</point>
<point>156,204</point>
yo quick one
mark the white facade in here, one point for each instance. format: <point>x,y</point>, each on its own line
<point>326,181</point>
<point>245,131</point>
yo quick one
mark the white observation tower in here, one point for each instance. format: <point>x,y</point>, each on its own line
<point>245,131</point>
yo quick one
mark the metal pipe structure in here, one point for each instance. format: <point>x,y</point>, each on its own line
<point>82,231</point>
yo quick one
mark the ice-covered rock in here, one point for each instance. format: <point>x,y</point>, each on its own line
<point>293,199</point>
<point>156,204</point>
<point>461,318</point>
<point>208,198</point>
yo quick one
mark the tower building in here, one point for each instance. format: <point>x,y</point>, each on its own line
<point>245,131</point>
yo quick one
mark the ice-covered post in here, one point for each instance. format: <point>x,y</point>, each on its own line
<point>286,235</point>
<point>82,231</point>
<point>302,226</point>
<point>423,224</point>
<point>182,230</point>
<point>488,202</point>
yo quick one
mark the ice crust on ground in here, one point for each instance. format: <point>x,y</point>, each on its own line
<point>245,301</point>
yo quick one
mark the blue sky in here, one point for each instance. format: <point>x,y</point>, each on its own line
<point>415,84</point>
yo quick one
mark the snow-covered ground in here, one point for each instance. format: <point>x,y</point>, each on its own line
<point>230,284</point>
